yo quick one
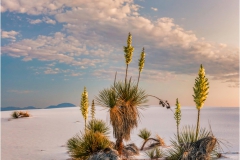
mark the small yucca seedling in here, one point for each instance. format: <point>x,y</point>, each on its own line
<point>93,110</point>
<point>141,64</point>
<point>177,116</point>
<point>128,53</point>
<point>200,89</point>
<point>145,135</point>
<point>84,105</point>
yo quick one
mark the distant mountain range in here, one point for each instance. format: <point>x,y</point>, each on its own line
<point>62,105</point>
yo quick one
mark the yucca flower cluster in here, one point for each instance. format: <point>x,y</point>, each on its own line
<point>141,61</point>
<point>200,88</point>
<point>177,115</point>
<point>128,49</point>
<point>84,105</point>
<point>128,53</point>
<point>93,110</point>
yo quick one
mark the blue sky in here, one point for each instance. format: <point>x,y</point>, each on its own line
<point>51,49</point>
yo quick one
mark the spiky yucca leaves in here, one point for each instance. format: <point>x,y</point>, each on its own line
<point>200,89</point>
<point>182,143</point>
<point>123,100</point>
<point>145,135</point>
<point>141,64</point>
<point>155,153</point>
<point>100,126</point>
<point>128,53</point>
<point>84,105</point>
<point>93,110</point>
<point>177,116</point>
<point>83,145</point>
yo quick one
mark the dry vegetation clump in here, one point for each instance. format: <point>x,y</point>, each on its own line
<point>20,114</point>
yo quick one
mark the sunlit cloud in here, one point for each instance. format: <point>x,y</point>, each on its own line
<point>154,9</point>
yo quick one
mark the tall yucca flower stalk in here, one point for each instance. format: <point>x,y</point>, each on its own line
<point>141,64</point>
<point>128,53</point>
<point>84,105</point>
<point>200,89</point>
<point>177,116</point>
<point>93,110</point>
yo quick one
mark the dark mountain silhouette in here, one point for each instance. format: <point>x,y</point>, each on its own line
<point>62,105</point>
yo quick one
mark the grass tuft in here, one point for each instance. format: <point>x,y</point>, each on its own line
<point>155,153</point>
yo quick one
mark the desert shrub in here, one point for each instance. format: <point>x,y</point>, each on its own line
<point>96,125</point>
<point>187,136</point>
<point>20,114</point>
<point>24,114</point>
<point>155,153</point>
<point>15,114</point>
<point>83,145</point>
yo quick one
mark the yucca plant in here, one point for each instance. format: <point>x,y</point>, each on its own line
<point>201,88</point>
<point>100,126</point>
<point>155,153</point>
<point>145,135</point>
<point>128,53</point>
<point>83,145</point>
<point>123,101</point>
<point>84,105</point>
<point>177,116</point>
<point>183,142</point>
<point>141,64</point>
<point>93,110</point>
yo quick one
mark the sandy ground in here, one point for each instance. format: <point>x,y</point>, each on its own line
<point>43,136</point>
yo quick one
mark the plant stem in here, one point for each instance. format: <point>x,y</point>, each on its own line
<point>138,78</point>
<point>147,141</point>
<point>197,130</point>
<point>119,145</point>
<point>178,132</point>
<point>126,74</point>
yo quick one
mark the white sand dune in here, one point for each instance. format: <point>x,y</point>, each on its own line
<point>43,136</point>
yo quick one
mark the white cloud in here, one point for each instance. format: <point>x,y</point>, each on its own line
<point>45,19</point>
<point>35,21</point>
<point>10,34</point>
<point>101,34</point>
<point>155,9</point>
<point>49,21</point>
<point>59,47</point>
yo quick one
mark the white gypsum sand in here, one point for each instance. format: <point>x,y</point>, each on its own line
<point>43,136</point>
